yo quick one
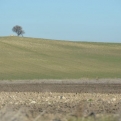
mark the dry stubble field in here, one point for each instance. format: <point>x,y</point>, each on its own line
<point>60,101</point>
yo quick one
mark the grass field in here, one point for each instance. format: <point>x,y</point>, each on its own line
<point>30,58</point>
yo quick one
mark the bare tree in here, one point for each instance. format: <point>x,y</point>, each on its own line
<point>18,30</point>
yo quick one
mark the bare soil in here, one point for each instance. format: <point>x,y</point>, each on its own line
<point>58,100</point>
<point>63,86</point>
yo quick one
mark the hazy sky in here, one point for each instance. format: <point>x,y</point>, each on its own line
<point>77,20</point>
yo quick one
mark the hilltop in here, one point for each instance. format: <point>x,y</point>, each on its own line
<point>32,58</point>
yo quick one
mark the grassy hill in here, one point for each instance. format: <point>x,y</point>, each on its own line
<point>29,58</point>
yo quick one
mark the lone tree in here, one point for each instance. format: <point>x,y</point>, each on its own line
<point>18,30</point>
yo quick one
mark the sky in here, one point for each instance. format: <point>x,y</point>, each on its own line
<point>74,20</point>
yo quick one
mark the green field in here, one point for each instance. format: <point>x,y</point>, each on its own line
<point>30,58</point>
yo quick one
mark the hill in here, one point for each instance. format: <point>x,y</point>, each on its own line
<point>30,58</point>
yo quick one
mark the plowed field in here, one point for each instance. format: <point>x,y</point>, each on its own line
<point>56,101</point>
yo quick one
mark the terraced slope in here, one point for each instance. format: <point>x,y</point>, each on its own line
<point>30,58</point>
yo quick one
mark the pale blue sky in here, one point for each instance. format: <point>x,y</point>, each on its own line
<point>77,20</point>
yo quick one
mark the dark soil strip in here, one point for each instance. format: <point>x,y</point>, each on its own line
<point>61,88</point>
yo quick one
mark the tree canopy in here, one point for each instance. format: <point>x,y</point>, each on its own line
<point>18,30</point>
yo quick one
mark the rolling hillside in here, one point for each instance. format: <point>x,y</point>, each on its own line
<point>30,58</point>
